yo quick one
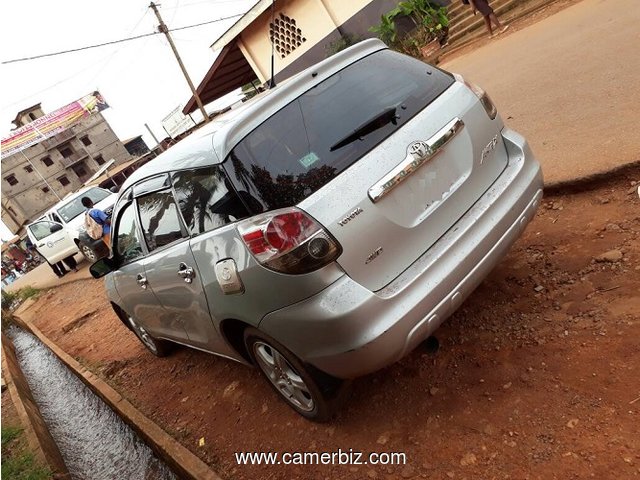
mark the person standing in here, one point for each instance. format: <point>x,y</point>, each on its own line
<point>486,11</point>
<point>100,218</point>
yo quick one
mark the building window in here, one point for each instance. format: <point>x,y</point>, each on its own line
<point>285,35</point>
<point>66,152</point>
<point>85,140</point>
<point>28,169</point>
<point>47,161</point>
<point>11,210</point>
<point>45,189</point>
<point>64,181</point>
<point>99,159</point>
<point>32,116</point>
<point>11,179</point>
<point>79,170</point>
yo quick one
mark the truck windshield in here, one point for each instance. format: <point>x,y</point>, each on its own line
<point>74,207</point>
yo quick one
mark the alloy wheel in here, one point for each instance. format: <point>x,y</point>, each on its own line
<point>283,376</point>
<point>143,335</point>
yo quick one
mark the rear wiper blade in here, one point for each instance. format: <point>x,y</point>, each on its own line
<point>384,118</point>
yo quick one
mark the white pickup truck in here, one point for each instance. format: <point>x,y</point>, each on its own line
<point>60,232</point>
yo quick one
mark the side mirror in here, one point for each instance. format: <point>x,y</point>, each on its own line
<point>56,227</point>
<point>114,189</point>
<point>102,267</point>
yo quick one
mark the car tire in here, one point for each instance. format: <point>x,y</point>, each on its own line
<point>160,348</point>
<point>313,394</point>
<point>88,252</point>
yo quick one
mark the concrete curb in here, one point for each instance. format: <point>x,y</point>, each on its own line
<point>184,463</point>
<point>591,181</point>
<point>36,431</point>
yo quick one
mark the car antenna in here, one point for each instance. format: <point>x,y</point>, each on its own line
<point>272,80</point>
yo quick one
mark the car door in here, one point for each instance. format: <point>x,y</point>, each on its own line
<point>130,280</point>
<point>208,207</point>
<point>169,266</point>
<point>51,240</point>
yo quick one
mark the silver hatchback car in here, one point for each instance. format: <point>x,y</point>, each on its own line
<point>325,228</point>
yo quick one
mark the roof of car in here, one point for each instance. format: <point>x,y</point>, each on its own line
<point>212,143</point>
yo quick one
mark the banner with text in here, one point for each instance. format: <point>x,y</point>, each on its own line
<point>52,124</point>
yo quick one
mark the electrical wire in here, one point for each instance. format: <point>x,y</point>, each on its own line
<point>72,50</point>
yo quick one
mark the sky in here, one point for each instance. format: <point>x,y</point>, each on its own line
<point>139,79</point>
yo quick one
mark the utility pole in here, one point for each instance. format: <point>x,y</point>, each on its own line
<point>163,28</point>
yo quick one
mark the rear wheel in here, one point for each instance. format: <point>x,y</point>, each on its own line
<point>312,394</point>
<point>160,348</point>
<point>88,253</point>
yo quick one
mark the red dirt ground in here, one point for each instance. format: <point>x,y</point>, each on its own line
<point>536,376</point>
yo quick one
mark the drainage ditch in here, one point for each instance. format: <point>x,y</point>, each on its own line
<point>94,442</point>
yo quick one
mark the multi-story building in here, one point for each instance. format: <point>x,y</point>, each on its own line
<point>38,176</point>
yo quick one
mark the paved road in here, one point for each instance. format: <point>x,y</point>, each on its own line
<point>571,84</point>
<point>42,277</point>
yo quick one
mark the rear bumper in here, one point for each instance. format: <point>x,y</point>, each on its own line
<point>349,331</point>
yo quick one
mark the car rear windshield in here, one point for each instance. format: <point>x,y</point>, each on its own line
<point>320,134</point>
<point>71,210</point>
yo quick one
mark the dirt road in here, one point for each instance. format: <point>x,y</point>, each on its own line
<point>535,377</point>
<point>568,85</point>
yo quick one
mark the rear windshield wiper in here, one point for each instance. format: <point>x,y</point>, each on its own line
<point>384,118</point>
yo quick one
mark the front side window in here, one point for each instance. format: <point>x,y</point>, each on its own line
<point>159,219</point>
<point>331,126</point>
<point>206,199</point>
<point>41,230</point>
<point>127,241</point>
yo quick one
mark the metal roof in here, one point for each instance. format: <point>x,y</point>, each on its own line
<point>243,22</point>
<point>229,72</point>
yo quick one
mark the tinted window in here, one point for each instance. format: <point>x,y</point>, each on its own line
<point>41,230</point>
<point>207,200</point>
<point>314,138</point>
<point>127,240</point>
<point>74,208</point>
<point>159,219</point>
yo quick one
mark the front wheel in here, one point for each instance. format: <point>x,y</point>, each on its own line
<point>313,395</point>
<point>160,348</point>
<point>88,253</point>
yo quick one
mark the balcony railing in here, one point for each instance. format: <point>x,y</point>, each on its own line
<point>76,157</point>
<point>58,139</point>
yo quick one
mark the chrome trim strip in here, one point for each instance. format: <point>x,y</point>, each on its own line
<point>418,154</point>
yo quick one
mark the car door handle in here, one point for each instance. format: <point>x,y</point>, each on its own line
<point>142,281</point>
<point>186,272</point>
<point>40,245</point>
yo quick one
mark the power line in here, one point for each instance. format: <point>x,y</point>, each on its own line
<point>35,57</point>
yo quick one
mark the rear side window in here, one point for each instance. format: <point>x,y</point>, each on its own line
<point>159,219</point>
<point>316,137</point>
<point>206,199</point>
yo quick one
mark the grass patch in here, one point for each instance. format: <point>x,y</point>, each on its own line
<point>9,434</point>
<point>18,464</point>
<point>28,292</point>
<point>12,300</point>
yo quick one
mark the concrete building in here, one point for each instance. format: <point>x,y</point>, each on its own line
<point>302,32</point>
<point>65,161</point>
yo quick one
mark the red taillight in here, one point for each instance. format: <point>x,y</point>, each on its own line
<point>288,241</point>
<point>255,241</point>
<point>483,96</point>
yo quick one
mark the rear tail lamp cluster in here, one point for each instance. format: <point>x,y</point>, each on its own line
<point>484,98</point>
<point>288,241</point>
